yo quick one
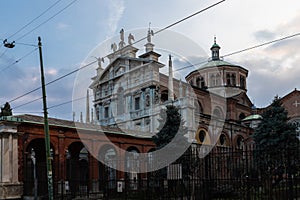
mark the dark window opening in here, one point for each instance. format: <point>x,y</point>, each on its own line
<point>137,103</point>
<point>106,112</point>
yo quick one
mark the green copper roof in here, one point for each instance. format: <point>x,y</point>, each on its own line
<point>217,63</point>
<point>252,117</point>
<point>215,45</point>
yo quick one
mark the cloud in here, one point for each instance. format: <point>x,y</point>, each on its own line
<point>62,26</point>
<point>116,10</point>
<point>264,35</point>
<point>52,71</point>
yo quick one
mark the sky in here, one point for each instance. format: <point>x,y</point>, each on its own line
<point>70,37</point>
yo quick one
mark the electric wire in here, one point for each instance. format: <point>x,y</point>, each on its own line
<point>203,62</point>
<point>24,104</point>
<point>3,53</point>
<point>18,60</point>
<point>53,81</point>
<point>40,15</point>
<point>245,49</point>
<point>44,22</point>
<point>181,20</point>
<point>179,69</point>
<point>67,102</point>
<point>173,24</point>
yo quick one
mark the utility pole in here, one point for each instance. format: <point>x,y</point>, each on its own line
<point>46,126</point>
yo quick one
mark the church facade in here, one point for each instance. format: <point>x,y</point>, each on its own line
<point>131,91</point>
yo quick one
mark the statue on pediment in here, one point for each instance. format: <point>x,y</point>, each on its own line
<point>130,39</point>
<point>6,110</point>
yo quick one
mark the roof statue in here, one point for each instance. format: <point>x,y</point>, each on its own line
<point>100,59</point>
<point>114,47</point>
<point>130,39</point>
<point>121,43</point>
<point>6,110</point>
<point>150,33</point>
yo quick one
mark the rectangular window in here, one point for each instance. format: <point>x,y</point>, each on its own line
<point>106,112</point>
<point>137,103</point>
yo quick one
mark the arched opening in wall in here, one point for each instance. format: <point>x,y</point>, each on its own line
<point>239,142</point>
<point>35,168</point>
<point>242,116</point>
<point>217,113</point>
<point>132,167</point>
<point>228,80</point>
<point>202,136</point>
<point>150,159</point>
<point>107,170</point>
<point>151,175</point>
<point>242,82</point>
<point>233,79</point>
<point>218,80</point>
<point>200,83</point>
<point>212,80</point>
<point>164,96</point>
<point>223,141</point>
<point>77,168</point>
<point>198,110</point>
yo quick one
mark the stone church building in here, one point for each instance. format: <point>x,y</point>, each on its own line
<point>131,91</point>
<point>129,95</point>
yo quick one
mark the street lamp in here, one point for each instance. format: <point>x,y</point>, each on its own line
<point>9,45</point>
<point>46,126</point>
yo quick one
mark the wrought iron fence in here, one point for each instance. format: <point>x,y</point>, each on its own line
<point>225,173</point>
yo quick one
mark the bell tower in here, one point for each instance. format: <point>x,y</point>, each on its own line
<point>215,50</point>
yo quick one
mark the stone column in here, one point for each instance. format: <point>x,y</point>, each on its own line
<point>10,187</point>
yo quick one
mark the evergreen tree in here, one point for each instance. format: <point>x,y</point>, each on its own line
<point>277,144</point>
<point>170,124</point>
<point>170,137</point>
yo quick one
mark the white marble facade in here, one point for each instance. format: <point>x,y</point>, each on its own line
<point>10,187</point>
<point>130,92</point>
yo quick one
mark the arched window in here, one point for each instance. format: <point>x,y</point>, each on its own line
<point>242,82</point>
<point>222,140</point>
<point>217,113</point>
<point>242,116</point>
<point>212,80</point>
<point>201,136</point>
<point>233,79</point>
<point>228,80</point>
<point>240,142</point>
<point>198,81</point>
<point>164,95</point>
<point>218,80</point>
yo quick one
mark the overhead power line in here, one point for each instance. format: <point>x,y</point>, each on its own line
<point>18,60</point>
<point>245,49</point>
<point>24,104</point>
<point>53,81</point>
<point>200,63</point>
<point>30,22</point>
<point>57,13</point>
<point>173,24</point>
<point>181,20</point>
<point>179,69</point>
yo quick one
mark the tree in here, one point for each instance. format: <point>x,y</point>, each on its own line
<point>170,137</point>
<point>170,124</point>
<point>277,144</point>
